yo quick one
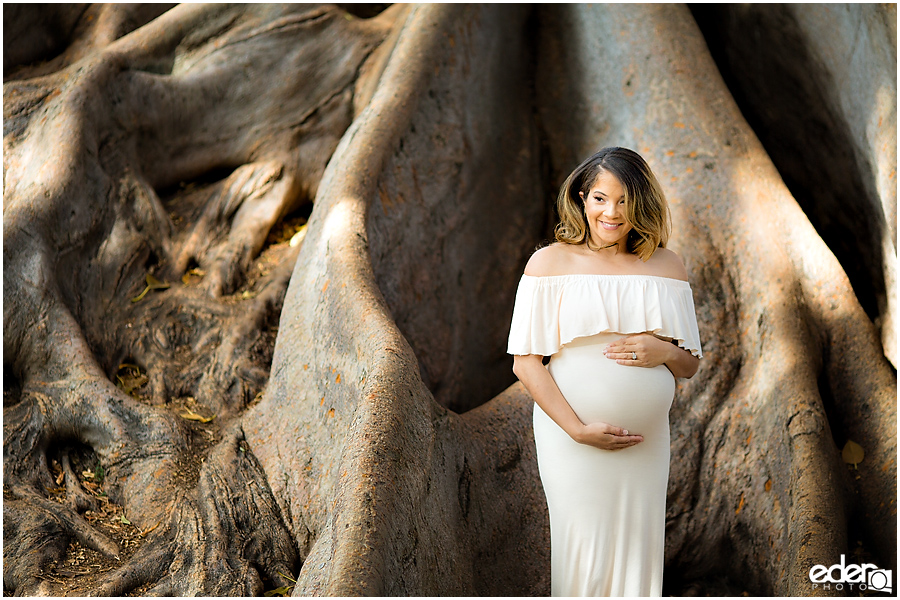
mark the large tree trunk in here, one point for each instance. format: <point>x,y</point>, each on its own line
<point>819,88</point>
<point>379,447</point>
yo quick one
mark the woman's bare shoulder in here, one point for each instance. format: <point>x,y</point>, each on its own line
<point>549,260</point>
<point>666,263</point>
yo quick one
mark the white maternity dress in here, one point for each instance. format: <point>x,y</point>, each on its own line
<point>607,508</point>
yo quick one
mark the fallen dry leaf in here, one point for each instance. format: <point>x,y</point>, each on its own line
<point>152,284</point>
<point>852,453</point>
<point>192,276</point>
<point>192,416</point>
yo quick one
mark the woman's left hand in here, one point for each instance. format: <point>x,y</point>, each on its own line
<point>641,350</point>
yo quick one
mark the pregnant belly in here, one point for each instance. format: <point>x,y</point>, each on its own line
<point>600,390</point>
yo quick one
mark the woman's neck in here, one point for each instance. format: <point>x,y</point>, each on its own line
<point>608,250</point>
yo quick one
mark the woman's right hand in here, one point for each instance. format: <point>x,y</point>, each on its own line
<point>606,437</point>
<point>537,380</point>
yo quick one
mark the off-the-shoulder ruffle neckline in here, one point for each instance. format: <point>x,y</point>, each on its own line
<point>608,275</point>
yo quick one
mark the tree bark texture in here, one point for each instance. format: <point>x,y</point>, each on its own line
<point>831,73</point>
<point>363,433</point>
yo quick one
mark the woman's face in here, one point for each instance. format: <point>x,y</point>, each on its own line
<point>604,207</point>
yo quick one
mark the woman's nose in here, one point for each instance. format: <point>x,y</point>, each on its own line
<point>611,209</point>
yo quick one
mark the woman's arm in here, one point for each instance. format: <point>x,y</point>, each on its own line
<point>538,381</point>
<point>652,352</point>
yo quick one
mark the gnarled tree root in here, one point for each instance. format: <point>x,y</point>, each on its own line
<point>100,218</point>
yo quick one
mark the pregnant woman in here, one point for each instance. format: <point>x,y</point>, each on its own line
<point>613,310</point>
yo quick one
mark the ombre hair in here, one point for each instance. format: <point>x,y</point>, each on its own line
<point>646,209</point>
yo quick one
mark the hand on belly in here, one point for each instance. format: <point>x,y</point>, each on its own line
<point>608,437</point>
<point>640,350</point>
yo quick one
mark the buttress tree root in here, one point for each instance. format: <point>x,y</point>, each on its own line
<point>336,415</point>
